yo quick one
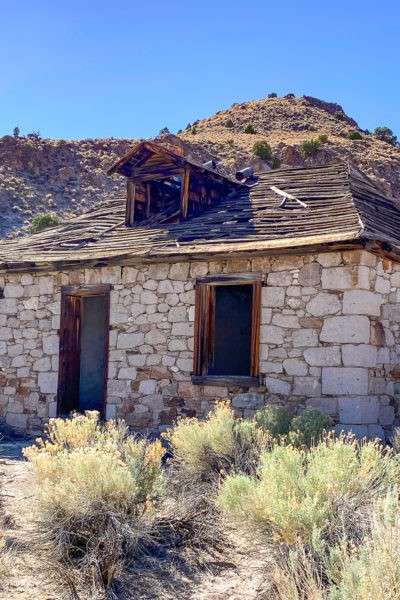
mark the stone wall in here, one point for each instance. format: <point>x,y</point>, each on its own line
<point>329,339</point>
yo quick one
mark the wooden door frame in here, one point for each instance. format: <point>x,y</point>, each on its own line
<point>85,291</point>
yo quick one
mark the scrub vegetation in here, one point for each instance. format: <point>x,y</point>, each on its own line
<point>123,517</point>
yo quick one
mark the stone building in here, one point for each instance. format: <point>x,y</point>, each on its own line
<point>281,288</point>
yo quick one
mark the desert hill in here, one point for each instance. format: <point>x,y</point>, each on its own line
<point>67,177</point>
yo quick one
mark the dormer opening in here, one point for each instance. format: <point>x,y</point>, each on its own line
<point>163,186</point>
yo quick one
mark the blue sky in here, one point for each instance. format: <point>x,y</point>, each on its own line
<point>82,69</point>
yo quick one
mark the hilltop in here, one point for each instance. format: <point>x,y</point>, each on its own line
<point>67,177</point>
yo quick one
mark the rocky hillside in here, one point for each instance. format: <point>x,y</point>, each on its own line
<point>66,177</point>
<point>285,123</point>
<point>39,175</point>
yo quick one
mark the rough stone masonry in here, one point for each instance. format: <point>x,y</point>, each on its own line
<point>329,339</point>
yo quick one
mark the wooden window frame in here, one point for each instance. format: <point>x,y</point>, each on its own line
<point>203,329</point>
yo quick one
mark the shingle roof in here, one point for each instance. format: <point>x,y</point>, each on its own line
<point>343,206</point>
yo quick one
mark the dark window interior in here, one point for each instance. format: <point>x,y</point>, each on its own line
<point>231,352</point>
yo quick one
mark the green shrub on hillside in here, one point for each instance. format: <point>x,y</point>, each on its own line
<point>272,95</point>
<point>323,138</point>
<point>249,129</point>
<point>229,124</point>
<point>262,150</point>
<point>354,135</point>
<point>42,221</point>
<point>386,135</point>
<point>310,147</point>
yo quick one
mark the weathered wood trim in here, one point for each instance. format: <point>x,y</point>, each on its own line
<point>226,380</point>
<point>229,278</point>
<point>86,290</point>
<point>255,330</point>
<point>204,325</point>
<point>130,203</point>
<point>185,192</point>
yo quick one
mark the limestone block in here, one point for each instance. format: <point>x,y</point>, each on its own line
<point>362,302</point>
<point>147,386</point>
<point>327,405</point>
<point>51,344</point>
<point>286,262</point>
<point>359,431</point>
<point>360,410</point>
<point>18,421</point>
<point>271,367</point>
<point>19,361</point>
<point>120,387</point>
<point>326,356</point>
<point>286,321</point>
<point>182,329</point>
<point>376,431</point>
<point>26,279</point>
<point>382,285</point>
<point>129,274</point>
<point>306,386</point>
<point>31,303</point>
<point>395,279</point>
<point>127,373</point>
<point>130,340</point>
<point>391,312</point>
<point>338,381</point>
<point>111,275</point>
<point>179,271</point>
<point>52,410</point>
<point>248,400</point>
<point>329,259</point>
<point>281,278</point>
<point>337,278</point>
<point>48,383</point>
<point>185,364</point>
<point>165,287</point>
<point>158,271</point>
<point>310,274</point>
<point>323,304</point>
<point>346,330</point>
<point>277,386</point>
<point>15,349</point>
<point>266,315</point>
<point>359,257</point>
<point>386,415</point>
<point>111,411</point>
<point>305,337</point>
<point>6,333</point>
<point>8,306</point>
<point>294,366</point>
<point>362,355</point>
<point>272,296</point>
<point>148,297</point>
<point>3,348</point>
<point>46,285</point>
<point>197,269</point>
<point>270,334</point>
<point>42,364</point>
<point>177,314</point>
<point>13,290</point>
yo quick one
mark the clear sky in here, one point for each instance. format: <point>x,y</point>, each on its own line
<point>79,69</point>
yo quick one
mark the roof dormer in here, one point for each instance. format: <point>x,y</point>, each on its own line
<point>163,185</point>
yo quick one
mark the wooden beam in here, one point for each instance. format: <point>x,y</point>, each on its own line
<point>148,198</point>
<point>185,192</point>
<point>130,203</point>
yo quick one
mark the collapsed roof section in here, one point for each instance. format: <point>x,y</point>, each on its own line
<point>288,210</point>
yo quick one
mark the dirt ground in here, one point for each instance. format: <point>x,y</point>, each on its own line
<point>239,577</point>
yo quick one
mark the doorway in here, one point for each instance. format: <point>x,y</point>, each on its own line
<point>84,333</point>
